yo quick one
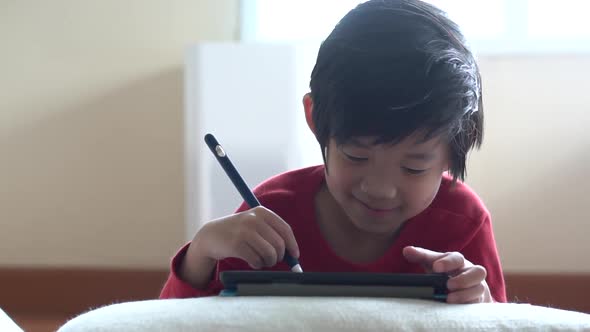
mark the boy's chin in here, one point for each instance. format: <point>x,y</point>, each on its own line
<point>378,227</point>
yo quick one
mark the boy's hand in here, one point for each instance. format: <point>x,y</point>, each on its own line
<point>258,236</point>
<point>467,281</point>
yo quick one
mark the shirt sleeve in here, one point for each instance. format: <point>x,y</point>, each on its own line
<point>482,250</point>
<point>175,287</point>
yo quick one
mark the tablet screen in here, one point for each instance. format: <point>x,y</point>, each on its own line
<point>270,283</point>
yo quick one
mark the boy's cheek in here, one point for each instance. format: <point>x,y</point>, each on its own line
<point>343,175</point>
<point>419,195</point>
<point>339,185</point>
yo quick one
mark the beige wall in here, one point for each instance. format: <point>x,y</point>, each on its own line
<point>91,127</point>
<point>533,169</point>
<point>91,137</point>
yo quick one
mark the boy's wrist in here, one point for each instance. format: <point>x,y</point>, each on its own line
<point>196,267</point>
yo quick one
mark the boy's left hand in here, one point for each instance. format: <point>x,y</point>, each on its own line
<point>467,282</point>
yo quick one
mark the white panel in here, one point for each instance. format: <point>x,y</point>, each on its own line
<point>249,97</point>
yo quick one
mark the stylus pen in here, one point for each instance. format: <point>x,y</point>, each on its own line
<point>242,187</point>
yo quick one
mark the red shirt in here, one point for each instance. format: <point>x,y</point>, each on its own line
<point>456,220</point>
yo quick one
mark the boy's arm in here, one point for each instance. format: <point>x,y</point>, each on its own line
<point>175,287</point>
<point>482,250</point>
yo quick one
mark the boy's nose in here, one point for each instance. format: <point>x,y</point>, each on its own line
<point>378,188</point>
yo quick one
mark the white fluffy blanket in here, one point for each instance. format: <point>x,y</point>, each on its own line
<point>262,314</point>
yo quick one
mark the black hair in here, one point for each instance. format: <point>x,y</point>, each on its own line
<point>391,68</point>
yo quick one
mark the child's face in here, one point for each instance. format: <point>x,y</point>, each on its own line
<point>380,186</point>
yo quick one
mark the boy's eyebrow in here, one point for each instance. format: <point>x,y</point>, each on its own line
<point>358,143</point>
<point>420,156</point>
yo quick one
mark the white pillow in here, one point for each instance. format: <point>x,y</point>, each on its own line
<point>322,314</point>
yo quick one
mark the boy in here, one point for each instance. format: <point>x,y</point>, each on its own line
<point>395,105</point>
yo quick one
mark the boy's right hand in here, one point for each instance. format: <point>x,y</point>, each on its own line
<point>258,236</point>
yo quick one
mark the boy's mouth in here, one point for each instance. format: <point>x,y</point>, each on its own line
<point>379,210</point>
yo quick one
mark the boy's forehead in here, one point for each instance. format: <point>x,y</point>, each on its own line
<point>417,139</point>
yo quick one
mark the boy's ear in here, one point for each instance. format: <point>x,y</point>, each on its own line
<point>308,108</point>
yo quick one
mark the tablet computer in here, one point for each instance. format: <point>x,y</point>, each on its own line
<point>271,283</point>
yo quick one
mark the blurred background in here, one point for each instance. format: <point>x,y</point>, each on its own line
<point>103,106</point>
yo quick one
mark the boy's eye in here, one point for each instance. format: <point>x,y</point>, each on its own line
<point>413,170</point>
<point>354,158</point>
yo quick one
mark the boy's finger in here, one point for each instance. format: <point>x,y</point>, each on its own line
<point>284,230</point>
<point>468,278</point>
<point>272,237</point>
<point>474,294</point>
<point>265,250</point>
<point>451,261</point>
<point>422,256</point>
<point>248,254</point>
